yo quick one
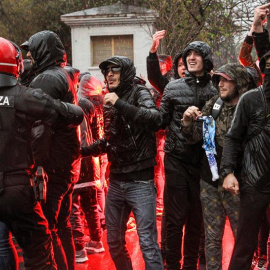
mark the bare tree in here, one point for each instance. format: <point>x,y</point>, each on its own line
<point>217,22</point>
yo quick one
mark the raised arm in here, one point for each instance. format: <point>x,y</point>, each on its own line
<point>260,35</point>
<point>155,77</point>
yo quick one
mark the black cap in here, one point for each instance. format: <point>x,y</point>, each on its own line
<point>104,64</point>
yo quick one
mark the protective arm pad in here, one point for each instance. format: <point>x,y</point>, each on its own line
<point>73,114</point>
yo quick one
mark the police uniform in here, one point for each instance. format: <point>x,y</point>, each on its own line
<point>20,107</point>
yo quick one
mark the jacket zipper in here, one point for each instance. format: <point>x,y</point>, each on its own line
<point>196,92</point>
<point>133,140</point>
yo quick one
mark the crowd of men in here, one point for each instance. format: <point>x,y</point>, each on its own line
<point>194,149</point>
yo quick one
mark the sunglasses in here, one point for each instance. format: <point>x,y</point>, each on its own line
<point>112,69</point>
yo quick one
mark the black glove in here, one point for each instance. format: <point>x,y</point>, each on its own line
<point>87,106</point>
<point>73,114</point>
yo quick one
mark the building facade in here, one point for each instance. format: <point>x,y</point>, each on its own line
<point>119,29</point>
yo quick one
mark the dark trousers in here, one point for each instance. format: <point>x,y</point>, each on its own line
<point>263,237</point>
<point>183,208</point>
<point>25,219</point>
<point>57,211</point>
<point>85,199</point>
<point>253,205</point>
<point>8,254</point>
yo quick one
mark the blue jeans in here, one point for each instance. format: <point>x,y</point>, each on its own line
<point>8,255</point>
<point>140,198</point>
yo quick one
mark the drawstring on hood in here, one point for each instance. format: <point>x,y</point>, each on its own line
<point>200,81</point>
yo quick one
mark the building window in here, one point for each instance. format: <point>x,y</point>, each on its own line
<point>104,47</point>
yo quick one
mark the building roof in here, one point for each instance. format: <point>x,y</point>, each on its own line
<point>118,12</point>
<point>113,10</point>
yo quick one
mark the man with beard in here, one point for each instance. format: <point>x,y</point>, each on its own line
<point>131,119</point>
<point>232,81</point>
<point>60,158</point>
<point>250,125</point>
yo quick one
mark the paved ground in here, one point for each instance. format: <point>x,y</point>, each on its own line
<point>103,261</point>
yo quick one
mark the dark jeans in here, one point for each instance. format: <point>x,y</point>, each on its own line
<point>8,254</point>
<point>183,207</point>
<point>57,211</point>
<point>253,205</point>
<point>163,235</point>
<point>140,198</point>
<point>25,219</point>
<point>85,199</point>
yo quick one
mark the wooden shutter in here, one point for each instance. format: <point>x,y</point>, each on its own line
<point>104,47</point>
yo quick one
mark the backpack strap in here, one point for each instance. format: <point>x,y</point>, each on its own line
<point>217,108</point>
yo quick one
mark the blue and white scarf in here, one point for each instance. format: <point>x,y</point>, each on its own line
<point>209,129</point>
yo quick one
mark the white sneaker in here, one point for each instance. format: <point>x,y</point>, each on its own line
<point>94,246</point>
<point>81,256</point>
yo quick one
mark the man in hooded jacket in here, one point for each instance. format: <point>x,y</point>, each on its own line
<point>131,118</point>
<point>250,125</point>
<point>232,82</point>
<point>62,163</point>
<point>182,161</point>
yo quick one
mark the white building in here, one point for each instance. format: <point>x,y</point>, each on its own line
<point>119,29</point>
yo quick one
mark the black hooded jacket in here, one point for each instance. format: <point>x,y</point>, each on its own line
<point>251,125</point>
<point>129,128</point>
<point>49,55</point>
<point>178,96</point>
<point>155,77</point>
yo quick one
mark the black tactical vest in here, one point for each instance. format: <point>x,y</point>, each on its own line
<point>15,127</point>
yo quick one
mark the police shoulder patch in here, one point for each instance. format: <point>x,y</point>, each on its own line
<point>6,101</point>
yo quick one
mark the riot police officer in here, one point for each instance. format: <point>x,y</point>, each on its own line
<point>20,107</point>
